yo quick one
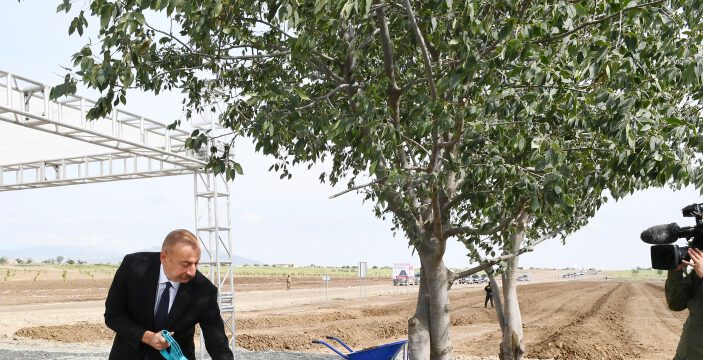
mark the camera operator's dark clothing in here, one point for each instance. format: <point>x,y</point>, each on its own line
<point>684,291</point>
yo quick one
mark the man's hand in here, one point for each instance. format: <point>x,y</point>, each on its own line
<point>155,340</point>
<point>696,261</point>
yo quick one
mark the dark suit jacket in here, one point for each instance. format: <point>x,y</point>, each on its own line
<point>129,311</point>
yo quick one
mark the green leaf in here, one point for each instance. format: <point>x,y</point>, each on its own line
<point>65,6</point>
<point>630,41</point>
<point>506,30</point>
<point>238,168</point>
<point>139,18</point>
<point>569,201</point>
<point>689,76</point>
<point>346,10</point>
<point>302,94</point>
<point>218,9</point>
<point>105,16</point>
<point>66,88</point>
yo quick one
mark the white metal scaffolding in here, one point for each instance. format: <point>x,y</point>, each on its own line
<point>213,228</point>
<point>122,146</point>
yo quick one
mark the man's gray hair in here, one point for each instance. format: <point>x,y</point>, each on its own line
<point>179,236</point>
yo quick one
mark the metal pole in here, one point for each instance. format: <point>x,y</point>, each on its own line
<point>197,234</point>
<point>326,279</point>
<point>9,90</point>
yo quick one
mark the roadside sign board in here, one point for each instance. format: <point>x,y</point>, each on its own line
<point>403,270</point>
<point>362,269</point>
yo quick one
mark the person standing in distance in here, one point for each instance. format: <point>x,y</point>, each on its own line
<point>154,291</point>
<point>489,295</point>
<point>685,291</point>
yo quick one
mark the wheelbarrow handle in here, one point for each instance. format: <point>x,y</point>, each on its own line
<point>331,348</point>
<point>340,342</point>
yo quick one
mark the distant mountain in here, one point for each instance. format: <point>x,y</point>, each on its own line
<point>91,255</point>
<point>40,253</point>
<point>237,260</point>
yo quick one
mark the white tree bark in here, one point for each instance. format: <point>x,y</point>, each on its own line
<point>430,323</point>
<point>419,324</point>
<point>512,346</point>
<point>497,301</point>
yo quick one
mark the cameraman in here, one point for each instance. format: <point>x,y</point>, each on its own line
<point>685,291</point>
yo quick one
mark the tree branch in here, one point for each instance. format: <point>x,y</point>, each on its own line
<point>358,187</point>
<point>410,84</point>
<point>486,264</point>
<point>503,224</point>
<point>548,88</point>
<point>601,19</point>
<point>170,36</point>
<point>414,142</point>
<point>388,62</point>
<point>436,214</point>
<point>219,57</point>
<point>423,47</point>
<point>324,97</point>
<point>467,230</point>
<point>324,69</point>
<point>394,99</point>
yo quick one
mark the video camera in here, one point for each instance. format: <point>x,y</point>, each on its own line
<point>667,257</point>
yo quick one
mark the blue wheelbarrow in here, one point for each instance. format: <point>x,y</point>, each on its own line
<point>380,352</point>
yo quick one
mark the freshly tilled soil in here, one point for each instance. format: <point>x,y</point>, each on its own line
<point>575,320</point>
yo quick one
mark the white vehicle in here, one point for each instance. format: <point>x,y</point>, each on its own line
<point>404,274</point>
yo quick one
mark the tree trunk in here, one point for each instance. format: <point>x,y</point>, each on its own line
<point>497,302</point>
<point>428,328</point>
<point>419,324</point>
<point>512,346</point>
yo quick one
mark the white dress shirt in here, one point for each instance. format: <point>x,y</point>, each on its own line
<point>162,284</point>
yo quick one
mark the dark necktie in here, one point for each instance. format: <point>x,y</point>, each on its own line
<point>162,309</point>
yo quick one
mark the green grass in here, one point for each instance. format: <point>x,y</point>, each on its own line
<point>298,271</point>
<point>307,271</point>
<point>636,274</point>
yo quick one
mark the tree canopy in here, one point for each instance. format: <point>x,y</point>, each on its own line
<point>484,104</point>
<point>455,117</point>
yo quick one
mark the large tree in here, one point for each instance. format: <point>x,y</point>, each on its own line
<point>497,123</point>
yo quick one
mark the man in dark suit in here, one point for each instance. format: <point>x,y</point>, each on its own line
<point>164,291</point>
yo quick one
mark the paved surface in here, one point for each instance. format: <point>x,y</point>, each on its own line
<point>253,355</point>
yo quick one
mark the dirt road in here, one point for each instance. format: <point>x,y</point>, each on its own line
<point>577,319</point>
<point>563,320</point>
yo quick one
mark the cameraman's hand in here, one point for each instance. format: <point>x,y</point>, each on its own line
<point>696,261</point>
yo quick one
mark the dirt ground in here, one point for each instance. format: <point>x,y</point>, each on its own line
<point>585,318</point>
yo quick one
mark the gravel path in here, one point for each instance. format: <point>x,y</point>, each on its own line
<point>239,355</point>
<point>20,349</point>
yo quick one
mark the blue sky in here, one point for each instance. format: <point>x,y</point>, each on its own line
<point>274,221</point>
